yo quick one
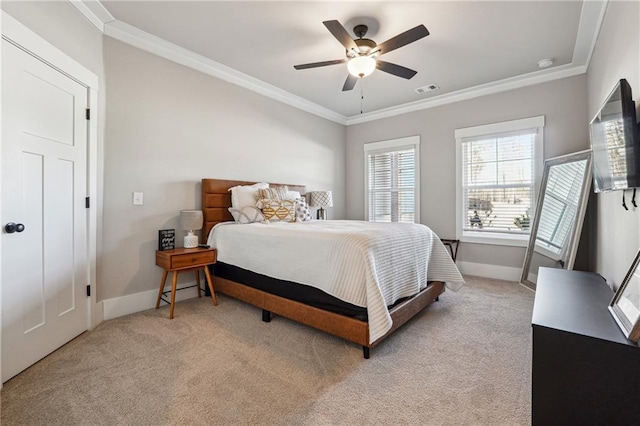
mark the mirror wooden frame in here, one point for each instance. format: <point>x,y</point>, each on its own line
<point>572,245</point>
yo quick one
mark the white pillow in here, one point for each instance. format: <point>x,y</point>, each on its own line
<point>246,195</point>
<point>292,195</point>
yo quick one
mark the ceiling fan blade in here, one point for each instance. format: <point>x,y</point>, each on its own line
<point>341,34</point>
<point>349,83</point>
<point>402,39</point>
<point>319,64</point>
<point>395,69</point>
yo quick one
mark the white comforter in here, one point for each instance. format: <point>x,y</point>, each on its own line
<point>367,264</point>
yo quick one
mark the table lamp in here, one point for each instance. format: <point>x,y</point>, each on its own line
<point>191,220</point>
<point>321,199</point>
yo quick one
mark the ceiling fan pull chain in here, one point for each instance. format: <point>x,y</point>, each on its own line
<point>361,95</point>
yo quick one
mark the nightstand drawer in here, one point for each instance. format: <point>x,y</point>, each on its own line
<point>182,258</point>
<point>187,260</point>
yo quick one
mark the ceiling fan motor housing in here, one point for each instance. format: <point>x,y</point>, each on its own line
<point>365,46</point>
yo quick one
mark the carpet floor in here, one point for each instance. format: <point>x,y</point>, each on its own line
<point>465,360</point>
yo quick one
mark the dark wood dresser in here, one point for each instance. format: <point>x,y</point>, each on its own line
<point>585,372</point>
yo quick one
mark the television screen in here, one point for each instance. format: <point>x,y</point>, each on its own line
<point>615,143</point>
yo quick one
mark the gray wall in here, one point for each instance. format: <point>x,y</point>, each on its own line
<point>163,116</point>
<point>616,56</point>
<point>563,103</point>
<point>169,126</point>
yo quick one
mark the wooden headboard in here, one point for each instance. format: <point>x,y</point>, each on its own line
<point>216,200</point>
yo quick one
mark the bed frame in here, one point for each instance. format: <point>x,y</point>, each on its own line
<point>216,199</point>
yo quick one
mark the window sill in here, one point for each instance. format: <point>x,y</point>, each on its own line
<point>495,239</point>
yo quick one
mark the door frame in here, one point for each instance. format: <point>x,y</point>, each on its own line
<point>22,37</point>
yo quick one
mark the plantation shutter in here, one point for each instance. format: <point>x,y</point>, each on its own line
<point>392,185</point>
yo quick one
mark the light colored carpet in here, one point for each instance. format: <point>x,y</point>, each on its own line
<point>464,360</point>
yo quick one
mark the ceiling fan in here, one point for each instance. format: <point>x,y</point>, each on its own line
<point>362,53</point>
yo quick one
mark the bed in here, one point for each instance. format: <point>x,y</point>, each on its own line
<point>366,325</point>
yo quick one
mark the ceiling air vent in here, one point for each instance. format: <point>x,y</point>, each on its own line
<point>427,88</point>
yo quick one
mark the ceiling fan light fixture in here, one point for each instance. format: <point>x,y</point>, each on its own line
<point>361,66</point>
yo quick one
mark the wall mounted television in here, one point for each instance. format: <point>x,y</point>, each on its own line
<point>615,142</point>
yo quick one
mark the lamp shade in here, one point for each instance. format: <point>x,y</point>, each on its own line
<point>321,199</point>
<point>361,66</point>
<point>191,220</point>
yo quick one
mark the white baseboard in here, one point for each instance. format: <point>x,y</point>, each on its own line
<point>506,273</point>
<point>132,303</point>
<point>97,315</point>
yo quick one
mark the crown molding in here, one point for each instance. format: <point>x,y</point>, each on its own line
<point>143,40</point>
<point>591,18</point>
<point>94,11</point>
<point>100,17</point>
<point>498,86</point>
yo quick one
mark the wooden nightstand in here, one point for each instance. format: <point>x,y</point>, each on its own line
<point>185,259</point>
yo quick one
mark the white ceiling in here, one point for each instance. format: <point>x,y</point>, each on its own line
<point>475,47</point>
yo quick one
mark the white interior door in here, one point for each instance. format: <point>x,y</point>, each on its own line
<point>44,178</point>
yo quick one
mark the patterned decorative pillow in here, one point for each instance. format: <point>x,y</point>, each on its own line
<point>247,214</point>
<point>278,210</point>
<point>303,214</point>
<point>273,193</point>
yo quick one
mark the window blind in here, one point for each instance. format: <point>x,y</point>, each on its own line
<point>498,182</point>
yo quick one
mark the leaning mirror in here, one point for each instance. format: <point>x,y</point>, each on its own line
<point>557,221</point>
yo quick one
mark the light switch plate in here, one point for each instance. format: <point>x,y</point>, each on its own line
<point>138,198</point>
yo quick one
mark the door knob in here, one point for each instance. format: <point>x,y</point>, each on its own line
<point>11,227</point>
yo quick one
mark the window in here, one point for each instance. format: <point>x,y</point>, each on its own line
<point>392,180</point>
<point>499,167</point>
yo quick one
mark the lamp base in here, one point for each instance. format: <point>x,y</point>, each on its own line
<point>322,214</point>
<point>190,240</point>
